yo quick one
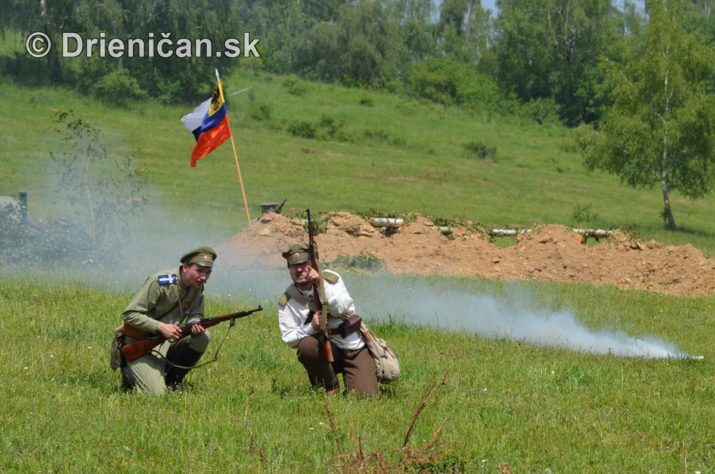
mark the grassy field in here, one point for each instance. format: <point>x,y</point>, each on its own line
<point>503,403</point>
<point>371,151</point>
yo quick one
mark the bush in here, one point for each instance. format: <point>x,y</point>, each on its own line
<point>480,150</point>
<point>332,129</point>
<point>541,111</point>
<point>117,88</point>
<point>258,111</point>
<point>584,215</point>
<point>303,129</point>
<point>362,261</point>
<point>452,83</point>
<point>384,137</point>
<point>366,101</point>
<point>98,190</point>
<point>294,87</point>
<point>327,128</point>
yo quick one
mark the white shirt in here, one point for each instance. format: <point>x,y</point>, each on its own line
<point>292,316</point>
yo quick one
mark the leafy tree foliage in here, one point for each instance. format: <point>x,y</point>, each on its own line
<point>118,79</point>
<point>701,18</point>
<point>550,48</point>
<point>541,52</point>
<point>464,29</point>
<point>451,82</point>
<point>660,126</point>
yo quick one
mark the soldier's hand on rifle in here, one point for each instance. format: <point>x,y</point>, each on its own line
<point>197,329</point>
<point>313,276</point>
<point>315,322</point>
<point>169,331</point>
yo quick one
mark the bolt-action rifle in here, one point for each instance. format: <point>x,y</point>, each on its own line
<point>147,341</point>
<point>321,302</point>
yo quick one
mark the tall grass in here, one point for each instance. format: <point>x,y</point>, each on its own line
<point>504,403</point>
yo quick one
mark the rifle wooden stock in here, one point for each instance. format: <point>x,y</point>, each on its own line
<point>149,341</point>
<point>321,302</point>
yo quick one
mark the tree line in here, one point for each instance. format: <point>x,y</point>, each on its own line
<point>544,52</point>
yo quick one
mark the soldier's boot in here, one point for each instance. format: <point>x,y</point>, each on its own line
<point>186,358</point>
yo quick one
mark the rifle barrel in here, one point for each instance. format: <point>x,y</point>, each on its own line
<point>321,301</point>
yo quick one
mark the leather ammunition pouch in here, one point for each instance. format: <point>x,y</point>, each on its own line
<point>348,326</point>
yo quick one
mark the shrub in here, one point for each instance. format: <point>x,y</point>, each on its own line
<point>480,150</point>
<point>331,127</point>
<point>117,88</point>
<point>260,112</point>
<point>366,101</point>
<point>584,215</point>
<point>294,87</point>
<point>449,82</point>
<point>541,111</point>
<point>327,128</point>
<point>383,136</point>
<point>362,261</point>
<point>303,129</point>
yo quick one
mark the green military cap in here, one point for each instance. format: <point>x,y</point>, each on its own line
<point>203,256</point>
<point>297,254</point>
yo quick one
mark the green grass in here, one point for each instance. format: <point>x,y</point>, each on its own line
<point>505,402</point>
<point>393,154</point>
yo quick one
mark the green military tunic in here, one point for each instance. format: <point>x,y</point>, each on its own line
<point>163,298</point>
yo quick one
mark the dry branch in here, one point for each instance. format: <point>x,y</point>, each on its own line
<point>429,391</point>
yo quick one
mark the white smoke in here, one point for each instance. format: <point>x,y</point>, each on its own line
<point>513,317</point>
<point>414,301</point>
<point>158,239</point>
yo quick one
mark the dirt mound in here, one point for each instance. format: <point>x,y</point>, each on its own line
<point>549,252</point>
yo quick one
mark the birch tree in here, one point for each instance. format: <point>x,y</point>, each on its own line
<point>659,127</point>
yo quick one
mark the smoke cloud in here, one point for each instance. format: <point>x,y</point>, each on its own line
<point>413,301</point>
<point>514,317</point>
<point>157,242</point>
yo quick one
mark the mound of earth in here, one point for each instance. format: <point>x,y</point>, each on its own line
<point>549,252</point>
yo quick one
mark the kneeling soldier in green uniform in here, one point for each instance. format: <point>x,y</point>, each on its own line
<point>167,299</point>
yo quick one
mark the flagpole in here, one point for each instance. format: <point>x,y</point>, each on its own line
<point>240,178</point>
<point>235,154</point>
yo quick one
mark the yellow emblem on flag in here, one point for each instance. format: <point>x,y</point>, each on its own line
<point>216,100</point>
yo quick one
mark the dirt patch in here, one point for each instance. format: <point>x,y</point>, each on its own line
<point>549,252</point>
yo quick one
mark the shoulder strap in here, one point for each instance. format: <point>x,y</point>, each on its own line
<point>330,277</point>
<point>292,292</point>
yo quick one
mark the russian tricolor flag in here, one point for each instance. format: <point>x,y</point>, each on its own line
<point>209,124</point>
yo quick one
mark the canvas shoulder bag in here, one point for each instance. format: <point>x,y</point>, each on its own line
<point>388,367</point>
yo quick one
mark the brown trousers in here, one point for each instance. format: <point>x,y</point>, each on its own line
<point>358,367</point>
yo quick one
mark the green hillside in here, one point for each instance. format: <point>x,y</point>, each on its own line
<point>370,150</point>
